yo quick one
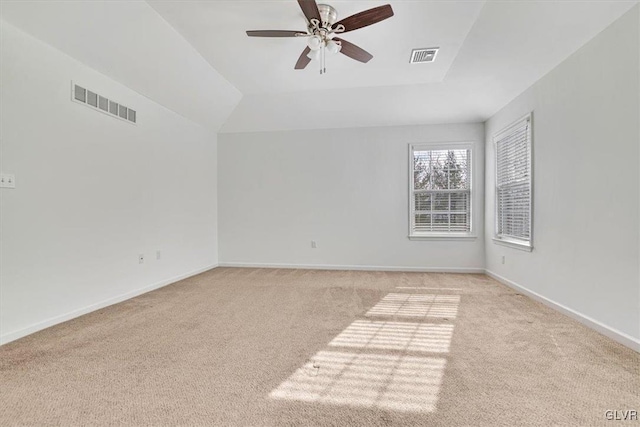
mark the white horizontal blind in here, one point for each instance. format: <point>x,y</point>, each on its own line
<point>513,181</point>
<point>441,191</point>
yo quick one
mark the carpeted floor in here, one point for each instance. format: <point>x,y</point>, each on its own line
<point>260,347</point>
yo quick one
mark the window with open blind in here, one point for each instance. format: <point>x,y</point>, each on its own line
<point>440,190</point>
<point>513,184</point>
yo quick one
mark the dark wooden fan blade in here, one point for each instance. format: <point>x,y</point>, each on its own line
<point>274,33</point>
<point>310,9</point>
<point>353,51</point>
<point>304,60</point>
<point>365,18</point>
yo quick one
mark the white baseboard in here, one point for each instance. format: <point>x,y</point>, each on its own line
<point>354,267</point>
<point>12,336</point>
<point>614,334</point>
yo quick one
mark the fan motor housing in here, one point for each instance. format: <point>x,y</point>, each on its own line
<point>328,14</point>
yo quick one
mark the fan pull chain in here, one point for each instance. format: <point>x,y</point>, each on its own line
<point>324,61</point>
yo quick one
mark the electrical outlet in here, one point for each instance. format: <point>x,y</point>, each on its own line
<point>7,180</point>
<point>503,259</point>
<point>141,259</point>
<point>158,255</point>
<point>313,244</point>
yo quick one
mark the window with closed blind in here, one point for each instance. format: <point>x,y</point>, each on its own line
<point>440,191</point>
<point>514,185</point>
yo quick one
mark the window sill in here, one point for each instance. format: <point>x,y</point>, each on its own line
<point>513,244</point>
<point>442,237</point>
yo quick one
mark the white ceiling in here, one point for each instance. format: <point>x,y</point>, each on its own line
<point>509,47</point>
<point>265,65</point>
<point>188,55</point>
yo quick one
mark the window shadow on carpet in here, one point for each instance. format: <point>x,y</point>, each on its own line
<point>416,306</point>
<point>382,361</point>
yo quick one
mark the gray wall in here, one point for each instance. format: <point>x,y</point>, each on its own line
<point>586,129</point>
<point>347,189</point>
<point>93,192</point>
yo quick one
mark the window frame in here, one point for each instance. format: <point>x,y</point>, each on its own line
<point>506,240</point>
<point>450,235</point>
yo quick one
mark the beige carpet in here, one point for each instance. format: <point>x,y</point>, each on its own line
<point>259,347</point>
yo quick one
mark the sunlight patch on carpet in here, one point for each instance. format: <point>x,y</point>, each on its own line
<point>388,381</point>
<point>416,306</point>
<point>403,336</point>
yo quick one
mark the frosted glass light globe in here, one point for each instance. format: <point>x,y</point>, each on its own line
<point>314,54</point>
<point>333,47</point>
<point>314,43</point>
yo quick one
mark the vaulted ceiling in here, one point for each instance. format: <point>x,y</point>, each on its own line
<point>195,58</point>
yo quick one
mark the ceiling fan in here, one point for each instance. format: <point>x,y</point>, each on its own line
<point>322,28</point>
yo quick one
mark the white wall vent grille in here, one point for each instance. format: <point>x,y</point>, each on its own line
<point>100,103</point>
<point>420,56</point>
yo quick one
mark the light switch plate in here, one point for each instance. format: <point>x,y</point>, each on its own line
<point>7,180</point>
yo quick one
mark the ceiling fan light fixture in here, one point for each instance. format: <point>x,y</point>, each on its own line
<point>315,43</point>
<point>314,55</point>
<point>333,47</point>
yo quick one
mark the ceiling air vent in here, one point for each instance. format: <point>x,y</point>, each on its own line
<point>419,56</point>
<point>103,104</point>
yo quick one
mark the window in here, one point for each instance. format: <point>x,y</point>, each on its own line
<point>440,191</point>
<point>513,184</point>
